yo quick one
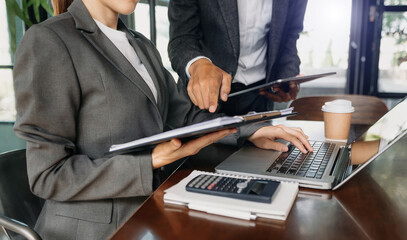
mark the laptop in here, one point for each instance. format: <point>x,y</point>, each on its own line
<point>329,166</point>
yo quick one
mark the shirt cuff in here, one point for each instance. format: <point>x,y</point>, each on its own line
<point>191,62</point>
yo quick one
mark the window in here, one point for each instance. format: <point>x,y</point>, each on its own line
<point>161,28</point>
<point>392,76</point>
<point>323,45</point>
<point>141,18</point>
<point>7,103</point>
<point>395,2</point>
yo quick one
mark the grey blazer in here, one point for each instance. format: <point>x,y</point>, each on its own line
<point>211,29</point>
<point>76,95</point>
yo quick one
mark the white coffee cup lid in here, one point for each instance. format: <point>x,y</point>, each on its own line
<point>338,106</point>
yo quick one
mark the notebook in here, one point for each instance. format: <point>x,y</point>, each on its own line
<point>329,166</point>
<point>199,129</point>
<point>279,208</point>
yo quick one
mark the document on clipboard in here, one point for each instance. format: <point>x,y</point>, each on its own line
<point>199,129</point>
<point>284,83</point>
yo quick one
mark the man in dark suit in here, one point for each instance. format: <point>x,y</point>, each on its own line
<point>224,46</point>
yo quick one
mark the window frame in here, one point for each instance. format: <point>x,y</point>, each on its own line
<point>364,47</point>
<point>381,9</point>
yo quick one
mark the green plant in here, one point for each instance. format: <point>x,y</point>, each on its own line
<point>15,10</point>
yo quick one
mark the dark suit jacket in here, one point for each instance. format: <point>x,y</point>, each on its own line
<point>76,95</point>
<point>211,29</point>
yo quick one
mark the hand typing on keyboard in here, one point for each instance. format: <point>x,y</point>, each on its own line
<point>265,138</point>
<point>309,165</point>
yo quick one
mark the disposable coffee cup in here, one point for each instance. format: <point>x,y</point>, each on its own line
<point>337,117</point>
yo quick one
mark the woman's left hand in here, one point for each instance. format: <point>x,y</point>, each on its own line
<point>265,138</point>
<point>168,152</point>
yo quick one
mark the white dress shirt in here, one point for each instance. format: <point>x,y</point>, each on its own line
<point>254,26</point>
<point>120,40</point>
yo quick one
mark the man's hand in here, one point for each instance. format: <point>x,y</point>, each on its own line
<point>168,152</point>
<point>279,95</point>
<point>205,82</point>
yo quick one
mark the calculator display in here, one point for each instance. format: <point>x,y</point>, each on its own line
<point>257,188</point>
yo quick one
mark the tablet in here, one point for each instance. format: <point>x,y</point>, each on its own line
<point>285,87</point>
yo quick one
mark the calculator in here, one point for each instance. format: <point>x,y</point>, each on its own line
<point>258,190</point>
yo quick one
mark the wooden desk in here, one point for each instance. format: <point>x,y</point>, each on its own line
<point>372,205</point>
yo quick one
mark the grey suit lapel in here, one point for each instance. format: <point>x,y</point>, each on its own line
<point>231,17</point>
<point>148,62</point>
<point>92,33</point>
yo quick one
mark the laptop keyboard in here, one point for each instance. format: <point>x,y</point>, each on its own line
<point>310,165</point>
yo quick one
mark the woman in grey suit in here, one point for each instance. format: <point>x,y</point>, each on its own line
<point>83,82</point>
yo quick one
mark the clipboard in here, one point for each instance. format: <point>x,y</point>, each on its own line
<point>285,87</point>
<point>199,129</point>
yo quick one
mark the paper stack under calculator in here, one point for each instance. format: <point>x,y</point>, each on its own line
<point>279,208</point>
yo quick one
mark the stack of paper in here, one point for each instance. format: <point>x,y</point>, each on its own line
<point>279,208</point>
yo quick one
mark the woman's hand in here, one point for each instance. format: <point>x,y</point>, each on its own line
<point>168,152</point>
<point>265,138</point>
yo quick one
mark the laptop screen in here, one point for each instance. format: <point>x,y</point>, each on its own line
<point>380,135</point>
<point>377,139</point>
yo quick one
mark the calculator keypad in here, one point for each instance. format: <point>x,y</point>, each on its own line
<point>218,183</point>
<point>258,190</point>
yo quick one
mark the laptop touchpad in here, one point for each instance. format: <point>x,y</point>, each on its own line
<point>259,159</point>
